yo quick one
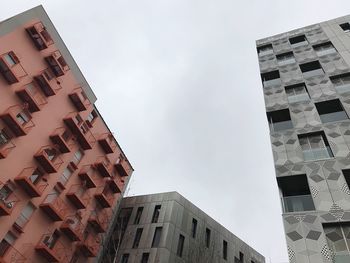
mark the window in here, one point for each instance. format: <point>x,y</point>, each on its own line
<point>180,245</point>
<point>78,155</point>
<point>125,258</point>
<point>271,78</point>
<point>297,93</point>
<point>156,212</point>
<point>311,69</point>
<point>145,257</point>
<point>4,137</point>
<point>241,256</point>
<point>6,243</point>
<point>138,215</point>
<point>194,228</point>
<point>22,118</point>
<point>341,83</point>
<point>92,116</point>
<point>298,41</point>
<point>338,240</point>
<point>265,50</point>
<point>207,237</point>
<point>285,58</point>
<point>324,49</point>
<point>6,194</point>
<point>331,110</point>
<point>279,120</point>
<point>345,27</point>
<point>315,146</point>
<point>295,193</point>
<point>26,213</point>
<point>224,249</point>
<point>137,238</point>
<point>156,237</point>
<point>11,59</point>
<point>67,173</point>
<point>51,240</point>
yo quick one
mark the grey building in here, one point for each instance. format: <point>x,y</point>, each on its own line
<point>306,85</point>
<point>167,227</point>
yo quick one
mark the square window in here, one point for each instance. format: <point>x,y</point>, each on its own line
<point>311,69</point>
<point>298,41</point>
<point>297,93</point>
<point>331,110</point>
<point>271,78</point>
<point>265,50</point>
<point>341,83</point>
<point>337,238</point>
<point>279,120</point>
<point>285,58</point>
<point>345,27</point>
<point>315,146</point>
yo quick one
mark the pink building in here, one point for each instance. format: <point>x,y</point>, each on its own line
<point>62,173</point>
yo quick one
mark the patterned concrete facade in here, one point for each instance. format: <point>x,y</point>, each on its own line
<point>175,216</point>
<point>319,234</point>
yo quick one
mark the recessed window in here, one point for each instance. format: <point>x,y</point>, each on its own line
<point>180,245</point>
<point>156,212</point>
<point>24,216</point>
<point>207,237</point>
<point>11,59</point>
<point>157,236</point>
<point>194,228</point>
<point>145,257</point>
<point>285,58</point>
<point>298,41</point>
<point>224,249</point>
<point>341,83</point>
<point>241,256</point>
<point>311,69</point>
<point>324,49</point>
<point>138,215</point>
<point>67,173</point>
<point>6,243</point>
<point>137,238</point>
<point>92,116</point>
<point>297,93</point>
<point>296,194</point>
<point>23,117</point>
<point>345,27</point>
<point>279,120</point>
<point>331,110</point>
<point>271,78</point>
<point>337,236</point>
<point>315,146</point>
<point>5,136</point>
<point>125,258</point>
<point>78,155</point>
<point>265,50</point>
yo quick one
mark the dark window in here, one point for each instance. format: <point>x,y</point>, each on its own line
<point>138,215</point>
<point>296,194</point>
<point>346,174</point>
<point>6,243</point>
<point>137,238</point>
<point>125,258</point>
<point>279,120</point>
<point>311,69</point>
<point>180,245</point>
<point>51,240</point>
<point>285,58</point>
<point>241,256</point>
<point>331,110</point>
<point>297,93</point>
<point>265,50</point>
<point>345,27</point>
<point>92,116</point>
<point>271,78</point>
<point>145,257</point>
<point>298,41</point>
<point>341,82</point>
<point>224,249</point>
<point>324,49</point>
<point>315,146</point>
<point>194,227</point>
<point>5,136</point>
<point>156,212</point>
<point>207,237</point>
<point>337,236</point>
<point>157,236</point>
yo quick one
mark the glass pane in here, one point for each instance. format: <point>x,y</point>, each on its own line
<point>304,143</point>
<point>334,116</point>
<point>313,73</point>
<point>316,141</point>
<point>298,203</point>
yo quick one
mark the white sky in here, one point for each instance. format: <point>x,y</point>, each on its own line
<point>178,83</point>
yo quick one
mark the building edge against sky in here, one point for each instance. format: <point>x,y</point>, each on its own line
<point>166,227</point>
<point>306,84</point>
<point>62,171</point>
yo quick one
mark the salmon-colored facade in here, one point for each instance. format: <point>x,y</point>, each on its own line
<point>62,172</point>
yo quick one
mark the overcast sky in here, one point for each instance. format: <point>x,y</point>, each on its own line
<point>178,83</point>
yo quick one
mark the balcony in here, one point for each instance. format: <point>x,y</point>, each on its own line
<point>13,255</point>
<point>123,167</point>
<point>48,83</point>
<point>31,95</point>
<point>6,146</point>
<point>54,207</point>
<point>79,99</point>
<point>40,36</point>
<point>52,249</point>
<point>115,184</point>
<point>107,142</point>
<point>79,196</point>
<point>18,119</point>
<point>99,220</point>
<point>10,68</point>
<point>318,154</point>
<point>32,181</point>
<point>72,228</point>
<point>8,200</point>
<point>61,138</point>
<point>104,196</point>
<point>85,138</point>
<point>57,63</point>
<point>104,166</point>
<point>88,175</point>
<point>48,158</point>
<point>90,246</point>
<point>298,203</point>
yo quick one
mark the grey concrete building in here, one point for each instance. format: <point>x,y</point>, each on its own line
<point>166,228</point>
<point>306,85</point>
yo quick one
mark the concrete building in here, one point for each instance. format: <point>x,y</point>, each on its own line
<point>306,85</point>
<point>62,171</point>
<point>167,228</point>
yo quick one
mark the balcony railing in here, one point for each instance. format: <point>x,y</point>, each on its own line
<point>79,99</point>
<point>12,255</point>
<point>104,196</point>
<point>48,83</point>
<point>7,202</point>
<point>286,61</point>
<point>40,36</point>
<point>57,63</point>
<point>123,167</point>
<point>327,51</point>
<point>90,246</point>
<point>53,250</point>
<point>298,98</point>
<point>49,159</point>
<point>72,228</point>
<point>6,148</point>
<point>298,203</point>
<point>99,220</point>
<point>18,119</point>
<point>272,82</point>
<point>54,207</point>
<point>61,137</point>
<point>282,125</point>
<point>104,166</point>
<point>30,94</point>
<point>11,72</point>
<point>313,73</point>
<point>107,142</point>
<point>79,196</point>
<point>341,89</point>
<point>89,177</point>
<point>334,116</point>
<point>115,184</point>
<point>30,183</point>
<point>317,154</point>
